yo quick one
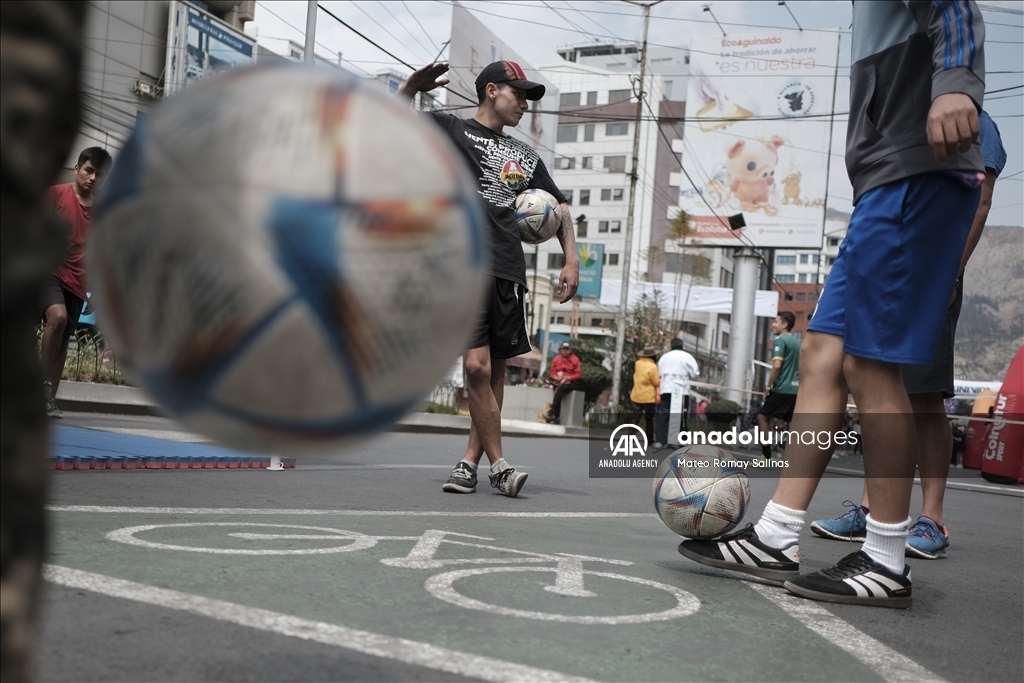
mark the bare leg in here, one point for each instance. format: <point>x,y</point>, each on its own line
<point>54,349</point>
<point>820,405</point>
<point>934,443</point>
<point>485,377</point>
<point>890,439</point>
<point>933,438</point>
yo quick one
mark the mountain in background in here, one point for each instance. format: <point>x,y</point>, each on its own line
<point>991,326</point>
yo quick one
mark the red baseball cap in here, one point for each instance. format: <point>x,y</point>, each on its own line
<point>511,73</point>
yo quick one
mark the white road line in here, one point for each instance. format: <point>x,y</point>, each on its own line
<point>346,513</point>
<point>883,660</point>
<point>366,642</point>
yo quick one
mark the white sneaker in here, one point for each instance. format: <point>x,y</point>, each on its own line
<point>508,481</point>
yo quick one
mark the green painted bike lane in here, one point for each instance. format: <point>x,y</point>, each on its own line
<point>734,634</point>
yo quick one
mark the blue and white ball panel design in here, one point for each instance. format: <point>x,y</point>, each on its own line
<point>538,216</point>
<point>699,503</point>
<point>289,268</point>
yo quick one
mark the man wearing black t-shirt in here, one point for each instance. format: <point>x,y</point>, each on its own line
<point>503,167</point>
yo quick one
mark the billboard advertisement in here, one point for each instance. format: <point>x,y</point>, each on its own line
<point>199,44</point>
<point>591,267</point>
<point>757,137</point>
<point>473,47</point>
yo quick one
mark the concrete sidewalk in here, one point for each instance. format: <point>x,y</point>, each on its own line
<point>86,397</point>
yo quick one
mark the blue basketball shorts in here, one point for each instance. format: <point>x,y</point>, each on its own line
<point>890,285</point>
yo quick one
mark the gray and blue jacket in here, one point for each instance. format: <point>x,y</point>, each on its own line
<point>905,54</point>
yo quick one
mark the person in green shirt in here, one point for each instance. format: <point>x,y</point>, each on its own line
<point>780,394</point>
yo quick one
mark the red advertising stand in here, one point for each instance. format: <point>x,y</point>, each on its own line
<point>977,430</point>
<point>1003,455</point>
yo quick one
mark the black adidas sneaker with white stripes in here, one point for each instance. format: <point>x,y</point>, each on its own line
<point>856,580</point>
<point>742,551</point>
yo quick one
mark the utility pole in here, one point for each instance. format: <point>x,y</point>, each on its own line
<point>307,51</point>
<point>620,331</point>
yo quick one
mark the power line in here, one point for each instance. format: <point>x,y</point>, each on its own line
<point>430,38</point>
<point>429,51</point>
<point>358,6</point>
<point>388,53</point>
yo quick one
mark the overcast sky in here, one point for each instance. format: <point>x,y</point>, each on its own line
<point>416,31</point>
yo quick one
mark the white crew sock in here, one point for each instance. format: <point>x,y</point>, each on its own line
<point>779,527</point>
<point>472,465</point>
<point>887,543</point>
<point>499,466</point>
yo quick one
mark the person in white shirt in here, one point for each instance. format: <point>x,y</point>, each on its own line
<point>676,368</point>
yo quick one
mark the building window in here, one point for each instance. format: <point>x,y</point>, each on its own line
<point>802,277</point>
<point>618,128</point>
<point>725,341</point>
<point>789,296</point>
<point>588,132</point>
<point>567,133</point>
<point>697,265</point>
<point>611,259</point>
<point>725,279</point>
<point>829,260</point>
<point>556,261</point>
<point>814,278</point>
<point>785,259</point>
<point>568,196</point>
<point>800,296</point>
<point>812,296</point>
<point>565,163</point>
<point>581,229</point>
<point>815,258</point>
<point>587,162</point>
<point>584,197</point>
<point>616,164</point>
<point>606,195</point>
<point>596,322</point>
<point>560,320</point>
<point>531,260</point>
<point>785,278</point>
<point>617,195</point>
<point>799,315</point>
<point>833,241</point>
<point>616,96</point>
<point>615,226</point>
<point>668,90</point>
<point>803,258</point>
<point>602,226</point>
<point>569,99</point>
<point>592,97</point>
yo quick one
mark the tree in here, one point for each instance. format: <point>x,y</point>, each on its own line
<point>644,328</point>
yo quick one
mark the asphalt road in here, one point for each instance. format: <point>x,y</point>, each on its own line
<point>315,608</point>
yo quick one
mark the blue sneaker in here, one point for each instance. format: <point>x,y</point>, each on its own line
<point>851,526</point>
<point>927,540</point>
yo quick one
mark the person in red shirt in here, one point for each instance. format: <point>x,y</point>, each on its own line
<point>63,293</point>
<point>565,373</point>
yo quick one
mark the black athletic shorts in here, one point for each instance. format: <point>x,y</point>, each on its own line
<point>502,323</point>
<point>779,405</point>
<point>52,293</point>
<point>938,377</point>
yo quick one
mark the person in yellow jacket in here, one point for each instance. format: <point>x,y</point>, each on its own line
<point>646,393</point>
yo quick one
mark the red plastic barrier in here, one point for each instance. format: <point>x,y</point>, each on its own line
<point>1003,457</point>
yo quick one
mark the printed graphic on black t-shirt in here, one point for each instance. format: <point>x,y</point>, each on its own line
<point>503,167</point>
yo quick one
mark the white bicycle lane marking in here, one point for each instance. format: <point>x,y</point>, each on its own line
<point>366,642</point>
<point>887,663</point>
<point>568,569</point>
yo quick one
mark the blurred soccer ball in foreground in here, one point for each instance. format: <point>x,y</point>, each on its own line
<point>284,258</point>
<point>538,216</point>
<point>696,501</point>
